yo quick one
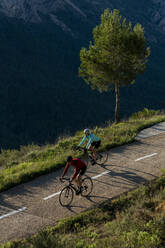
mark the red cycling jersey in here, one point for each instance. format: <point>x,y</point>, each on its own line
<point>78,164</point>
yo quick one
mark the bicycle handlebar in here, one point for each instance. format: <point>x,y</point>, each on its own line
<point>81,149</point>
<point>64,179</point>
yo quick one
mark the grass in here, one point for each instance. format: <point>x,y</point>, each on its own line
<point>134,220</point>
<point>19,166</point>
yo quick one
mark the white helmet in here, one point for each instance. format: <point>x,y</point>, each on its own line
<point>86,131</point>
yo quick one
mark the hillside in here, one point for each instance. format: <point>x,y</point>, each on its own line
<point>136,220</point>
<point>41,94</point>
<point>28,162</point>
<point>29,207</point>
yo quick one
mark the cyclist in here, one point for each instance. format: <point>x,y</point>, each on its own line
<point>79,170</point>
<point>93,143</point>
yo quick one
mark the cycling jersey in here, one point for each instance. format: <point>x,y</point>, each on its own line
<point>91,138</point>
<point>78,164</point>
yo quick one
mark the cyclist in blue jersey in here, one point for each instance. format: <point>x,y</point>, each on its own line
<point>93,142</point>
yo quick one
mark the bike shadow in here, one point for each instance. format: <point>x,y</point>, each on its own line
<point>94,198</point>
<point>124,178</point>
<point>129,170</point>
<point>73,206</point>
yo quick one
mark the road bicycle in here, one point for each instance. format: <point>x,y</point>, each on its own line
<point>101,157</point>
<point>67,193</point>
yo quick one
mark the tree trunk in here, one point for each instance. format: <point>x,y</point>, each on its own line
<point>117,109</point>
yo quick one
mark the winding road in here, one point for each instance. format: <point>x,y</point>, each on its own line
<point>27,208</point>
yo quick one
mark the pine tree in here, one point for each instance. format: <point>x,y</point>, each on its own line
<point>116,56</point>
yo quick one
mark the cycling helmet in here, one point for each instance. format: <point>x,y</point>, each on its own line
<point>69,159</point>
<point>86,131</point>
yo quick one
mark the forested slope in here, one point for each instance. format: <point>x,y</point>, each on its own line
<point>42,96</point>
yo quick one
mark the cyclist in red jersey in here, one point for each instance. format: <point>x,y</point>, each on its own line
<point>79,170</point>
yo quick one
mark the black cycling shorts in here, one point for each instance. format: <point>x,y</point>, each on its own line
<point>82,170</point>
<point>96,144</point>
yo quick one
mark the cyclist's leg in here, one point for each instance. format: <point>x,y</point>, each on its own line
<point>78,180</point>
<point>94,153</point>
<point>97,145</point>
<point>79,183</point>
<point>93,150</point>
<point>79,176</point>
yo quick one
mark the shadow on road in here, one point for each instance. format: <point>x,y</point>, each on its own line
<point>70,208</point>
<point>128,168</point>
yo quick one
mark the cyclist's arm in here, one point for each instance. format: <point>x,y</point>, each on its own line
<point>65,170</point>
<point>74,175</point>
<point>83,140</point>
<point>91,139</point>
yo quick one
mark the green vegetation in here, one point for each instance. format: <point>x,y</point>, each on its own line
<point>18,166</point>
<point>135,220</point>
<point>117,55</point>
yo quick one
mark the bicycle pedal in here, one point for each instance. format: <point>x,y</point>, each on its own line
<point>93,162</point>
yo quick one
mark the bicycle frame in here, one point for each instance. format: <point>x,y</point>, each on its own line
<point>67,193</point>
<point>71,185</point>
<point>87,153</point>
<point>90,158</point>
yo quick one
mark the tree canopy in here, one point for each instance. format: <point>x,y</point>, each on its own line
<point>116,56</point>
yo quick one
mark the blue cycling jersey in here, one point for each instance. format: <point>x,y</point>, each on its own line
<point>91,138</point>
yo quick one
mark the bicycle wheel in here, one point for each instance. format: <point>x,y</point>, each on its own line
<point>66,196</point>
<point>87,186</point>
<point>101,158</point>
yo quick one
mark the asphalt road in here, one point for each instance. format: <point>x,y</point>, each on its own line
<point>27,208</point>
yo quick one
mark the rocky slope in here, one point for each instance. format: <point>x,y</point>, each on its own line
<point>37,11</point>
<point>41,10</point>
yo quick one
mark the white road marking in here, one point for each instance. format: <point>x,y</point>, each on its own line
<point>100,175</point>
<point>12,213</point>
<point>151,131</point>
<point>50,196</point>
<point>147,156</point>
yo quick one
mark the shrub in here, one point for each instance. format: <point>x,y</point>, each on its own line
<point>139,239</point>
<point>146,113</point>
